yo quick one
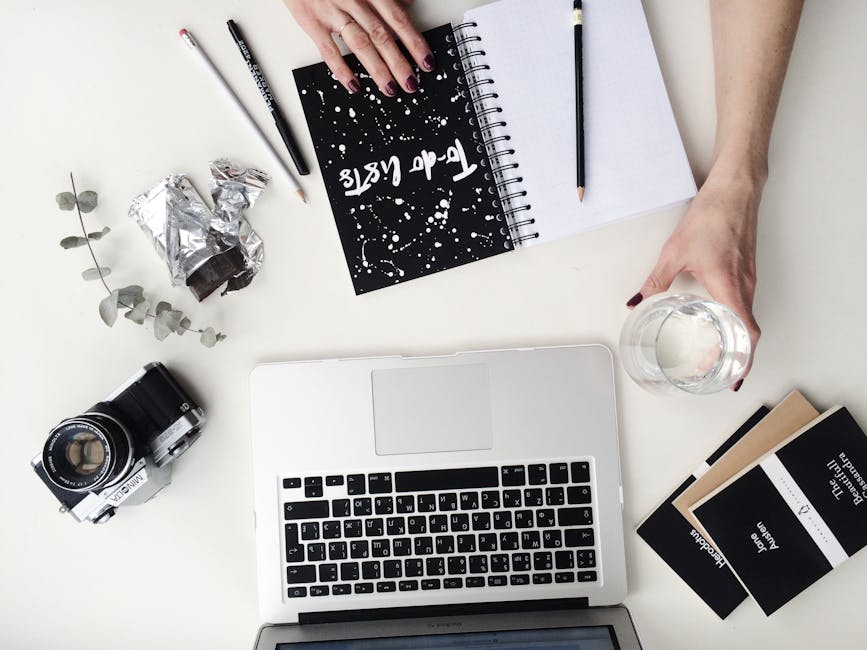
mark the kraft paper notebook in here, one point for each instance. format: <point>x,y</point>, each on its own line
<point>481,160</point>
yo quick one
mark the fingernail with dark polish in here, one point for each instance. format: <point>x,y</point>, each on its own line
<point>391,89</point>
<point>737,385</point>
<point>428,62</point>
<point>411,83</point>
<point>354,87</point>
<point>634,300</point>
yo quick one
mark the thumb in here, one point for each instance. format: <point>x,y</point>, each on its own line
<point>659,280</point>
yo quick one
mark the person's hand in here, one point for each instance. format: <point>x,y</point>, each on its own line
<point>369,28</point>
<point>715,241</point>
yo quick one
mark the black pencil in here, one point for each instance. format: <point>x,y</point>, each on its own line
<point>578,22</point>
<point>268,96</point>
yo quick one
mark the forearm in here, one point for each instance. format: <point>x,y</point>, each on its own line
<point>752,41</point>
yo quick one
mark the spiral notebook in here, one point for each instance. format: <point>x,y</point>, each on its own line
<point>481,160</point>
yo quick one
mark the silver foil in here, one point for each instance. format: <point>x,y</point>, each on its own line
<point>186,233</point>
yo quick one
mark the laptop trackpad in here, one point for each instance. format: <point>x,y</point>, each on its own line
<point>431,409</point>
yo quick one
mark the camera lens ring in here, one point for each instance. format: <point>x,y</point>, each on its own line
<point>88,453</point>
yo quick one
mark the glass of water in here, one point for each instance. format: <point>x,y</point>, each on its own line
<point>678,342</point>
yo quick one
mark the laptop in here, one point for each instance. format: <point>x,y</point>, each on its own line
<point>413,501</point>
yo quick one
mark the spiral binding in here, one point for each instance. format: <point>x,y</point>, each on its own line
<point>480,92</point>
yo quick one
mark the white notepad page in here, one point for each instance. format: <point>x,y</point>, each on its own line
<point>635,161</point>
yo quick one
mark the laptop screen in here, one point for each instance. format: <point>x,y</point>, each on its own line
<point>571,638</point>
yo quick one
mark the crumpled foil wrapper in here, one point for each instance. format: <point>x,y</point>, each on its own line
<point>205,248</point>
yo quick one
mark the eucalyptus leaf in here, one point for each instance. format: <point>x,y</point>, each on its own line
<point>108,308</point>
<point>73,242</point>
<point>184,325</point>
<point>162,306</point>
<point>87,201</point>
<point>209,337</point>
<point>65,200</point>
<point>99,234</point>
<point>127,295</point>
<point>162,327</point>
<point>94,274</point>
<point>174,318</point>
<point>138,313</point>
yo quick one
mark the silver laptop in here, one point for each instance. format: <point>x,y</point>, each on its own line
<point>434,496</point>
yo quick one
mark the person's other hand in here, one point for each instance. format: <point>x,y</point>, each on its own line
<point>369,29</point>
<point>715,241</point>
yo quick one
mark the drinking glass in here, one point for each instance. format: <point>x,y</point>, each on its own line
<point>679,342</point>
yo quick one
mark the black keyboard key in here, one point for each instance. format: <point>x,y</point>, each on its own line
<point>503,520</point>
<point>481,520</point>
<point>522,579</point>
<point>362,507</point>
<point>340,590</point>
<point>564,560</point>
<point>310,530</point>
<point>291,483</point>
<point>453,583</point>
<point>520,562</point>
<point>355,484</point>
<point>349,571</point>
<point>552,538</point>
<point>490,499</point>
<point>585,559</point>
<point>438,523</point>
<point>509,541</point>
<point>311,481</point>
<point>352,528</point>
<point>392,569</point>
<point>405,504</point>
<point>579,494</point>
<point>417,525</point>
<point>319,590</point>
<point>334,480</point>
<point>580,472</point>
<point>331,530</point>
<point>514,475</point>
<point>294,550</point>
<point>359,549</point>
<point>374,527</point>
<point>545,518</point>
<point>469,500</point>
<point>448,501</point>
<point>500,562</point>
<point>524,519</point>
<point>537,475</point>
<point>383,505</point>
<point>445,544</point>
<point>424,545</point>
<point>466,543</point>
<point>315,552</point>
<point>447,479</point>
<point>380,548</point>
<point>554,496</point>
<point>496,581</point>
<point>371,570</point>
<point>305,510</point>
<point>300,574</point>
<point>336,550</point>
<point>340,507</point>
<point>530,540</point>
<point>385,587</point>
<point>559,473</point>
<point>327,572</point>
<point>487,542</point>
<point>511,498</point>
<point>395,525</point>
<point>379,483</point>
<point>574,516</point>
<point>457,565</point>
<point>413,568</point>
<point>430,584</point>
<point>460,523</point>
<point>427,502</point>
<point>564,576</point>
<point>401,546</point>
<point>313,487</point>
<point>542,579</point>
<point>478,564</point>
<point>435,566</point>
<point>586,576</point>
<point>364,587</point>
<point>408,585</point>
<point>533,497</point>
<point>578,537</point>
<point>542,561</point>
<point>475,581</point>
<point>296,592</point>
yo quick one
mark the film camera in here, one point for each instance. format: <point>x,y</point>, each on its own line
<point>120,450</point>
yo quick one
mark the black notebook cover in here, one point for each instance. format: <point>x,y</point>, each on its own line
<point>408,177</point>
<point>791,519</point>
<point>689,554</point>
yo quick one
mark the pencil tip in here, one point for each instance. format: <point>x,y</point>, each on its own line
<point>301,194</point>
<point>581,194</point>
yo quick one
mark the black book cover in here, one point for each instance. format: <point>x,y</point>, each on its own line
<point>799,513</point>
<point>408,177</point>
<point>687,552</point>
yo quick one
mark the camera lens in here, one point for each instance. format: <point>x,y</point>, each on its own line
<point>86,453</point>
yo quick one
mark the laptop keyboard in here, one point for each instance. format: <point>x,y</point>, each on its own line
<point>457,528</point>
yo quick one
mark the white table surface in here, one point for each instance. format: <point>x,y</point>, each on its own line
<point>108,90</point>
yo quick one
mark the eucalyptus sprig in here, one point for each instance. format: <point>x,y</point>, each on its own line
<point>132,298</point>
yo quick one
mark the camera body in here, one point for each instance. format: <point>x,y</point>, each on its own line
<point>120,450</point>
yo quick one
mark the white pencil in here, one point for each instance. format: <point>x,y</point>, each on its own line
<point>209,66</point>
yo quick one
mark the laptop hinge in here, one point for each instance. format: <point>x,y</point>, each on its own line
<point>344,616</point>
